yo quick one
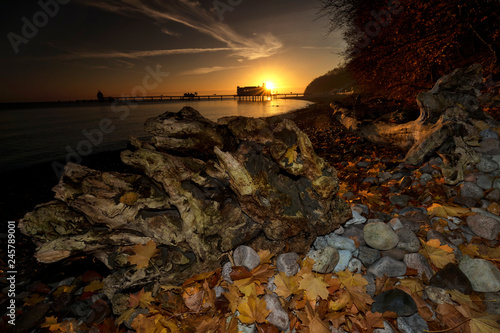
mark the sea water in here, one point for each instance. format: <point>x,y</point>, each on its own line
<point>32,136</point>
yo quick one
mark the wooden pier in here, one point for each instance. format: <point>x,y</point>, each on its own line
<point>163,98</point>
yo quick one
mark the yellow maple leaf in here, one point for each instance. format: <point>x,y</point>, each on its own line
<point>291,154</point>
<point>93,286</point>
<point>465,299</point>
<point>233,296</point>
<point>439,255</point>
<point>445,211</point>
<point>252,309</point>
<point>63,289</point>
<point>485,324</point>
<point>415,285</point>
<point>469,249</point>
<point>265,256</point>
<point>33,299</point>
<point>143,253</point>
<point>314,286</point>
<point>285,286</point>
<point>341,302</point>
<point>142,299</point>
<point>145,324</point>
<point>125,316</point>
<point>349,279</point>
<point>360,298</point>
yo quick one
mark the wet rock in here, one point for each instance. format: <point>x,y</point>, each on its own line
<point>412,324</point>
<point>395,300</point>
<point>345,257</point>
<point>487,165</point>
<point>287,263</point>
<point>483,275</point>
<point>496,183</point>
<point>325,259</point>
<point>246,256</point>
<point>336,241</point>
<point>485,182</point>
<point>400,200</point>
<point>389,266</point>
<point>368,256</point>
<point>471,190</point>
<point>395,253</point>
<point>420,263</point>
<point>380,236</point>
<point>355,266</point>
<point>278,316</point>
<point>408,241</point>
<point>484,226</point>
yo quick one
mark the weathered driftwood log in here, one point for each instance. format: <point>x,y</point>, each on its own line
<point>202,188</point>
<point>445,125</point>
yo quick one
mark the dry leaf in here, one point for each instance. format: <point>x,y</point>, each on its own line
<point>439,255</point>
<point>129,198</point>
<point>445,211</point>
<point>465,299</point>
<point>285,286</point>
<point>314,286</point>
<point>252,310</point>
<point>414,284</point>
<point>93,286</point>
<point>265,256</point>
<point>143,253</point>
<point>341,302</point>
<point>470,250</point>
<point>485,324</point>
<point>142,299</point>
<point>33,299</point>
<point>349,279</point>
<point>144,324</point>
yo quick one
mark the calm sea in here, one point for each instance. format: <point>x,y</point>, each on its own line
<point>33,136</point>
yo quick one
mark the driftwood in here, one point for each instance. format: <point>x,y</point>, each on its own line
<point>201,189</point>
<point>445,125</point>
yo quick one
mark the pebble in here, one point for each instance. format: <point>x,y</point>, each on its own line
<point>412,324</point>
<point>408,241</point>
<point>490,146</point>
<point>494,195</point>
<point>287,263</point>
<point>438,295</point>
<point>405,182</point>
<point>419,263</point>
<point>356,232</point>
<point>363,164</point>
<point>485,182</point>
<point>357,218</point>
<point>246,256</point>
<point>387,328</point>
<point>465,201</point>
<point>471,190</point>
<point>395,253</point>
<point>483,275</point>
<point>345,257</point>
<point>371,286</point>
<point>389,266</point>
<point>410,224</point>
<point>384,176</point>
<point>368,256</point>
<point>395,300</point>
<point>336,241</point>
<point>362,209</point>
<point>496,184</point>
<point>484,226</point>
<point>325,259</point>
<point>278,316</point>
<point>371,180</point>
<point>380,236</point>
<point>425,178</point>
<point>487,165</point>
<point>426,168</point>
<point>400,200</point>
<point>492,301</point>
<point>355,266</point>
<point>227,268</point>
<point>395,224</point>
<point>488,134</point>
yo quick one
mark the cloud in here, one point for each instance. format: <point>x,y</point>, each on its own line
<point>170,33</point>
<point>320,48</point>
<point>207,70</point>
<point>191,14</point>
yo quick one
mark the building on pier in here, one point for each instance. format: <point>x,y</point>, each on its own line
<point>253,92</point>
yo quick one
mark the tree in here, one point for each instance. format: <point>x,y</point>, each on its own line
<point>398,48</point>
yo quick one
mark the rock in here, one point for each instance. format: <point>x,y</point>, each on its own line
<point>483,275</point>
<point>471,190</point>
<point>426,168</point>
<point>405,182</point>
<point>357,218</point>
<point>246,256</point>
<point>389,266</point>
<point>496,184</point>
<point>438,295</point>
<point>408,241</point>
<point>490,146</point>
<point>227,268</point>
<point>487,165</point>
<point>465,201</point>
<point>355,266</point>
<point>411,224</point>
<point>400,200</point>
<point>387,328</point>
<point>488,134</point>
<point>484,226</point>
<point>485,182</point>
<point>380,236</point>
<point>336,241</point>
<point>363,164</point>
<point>368,256</point>
<point>278,316</point>
<point>395,300</point>
<point>412,324</point>
<point>494,195</point>
<point>355,232</point>
<point>425,178</point>
<point>325,259</point>
<point>420,263</point>
<point>433,234</point>
<point>371,286</point>
<point>344,259</point>
<point>362,209</point>
<point>395,224</point>
<point>287,263</point>
<point>384,176</point>
<point>492,301</point>
<point>395,253</point>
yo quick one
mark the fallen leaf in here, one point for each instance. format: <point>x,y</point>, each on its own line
<point>341,302</point>
<point>285,286</point>
<point>439,255</point>
<point>63,289</point>
<point>484,324</point>
<point>233,296</point>
<point>142,299</point>
<point>360,298</point>
<point>465,299</point>
<point>349,279</point>
<point>125,316</point>
<point>253,310</point>
<point>143,253</point>
<point>93,286</point>
<point>265,256</point>
<point>414,284</point>
<point>144,324</point>
<point>33,299</point>
<point>314,286</point>
<point>470,250</point>
<point>129,198</point>
<point>373,320</point>
<point>445,211</point>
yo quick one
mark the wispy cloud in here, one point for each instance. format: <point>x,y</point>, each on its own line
<point>191,14</point>
<point>207,70</point>
<point>320,48</point>
<point>170,33</point>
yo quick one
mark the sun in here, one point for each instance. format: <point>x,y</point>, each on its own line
<point>269,85</point>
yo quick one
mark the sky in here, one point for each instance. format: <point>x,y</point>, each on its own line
<point>69,49</point>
